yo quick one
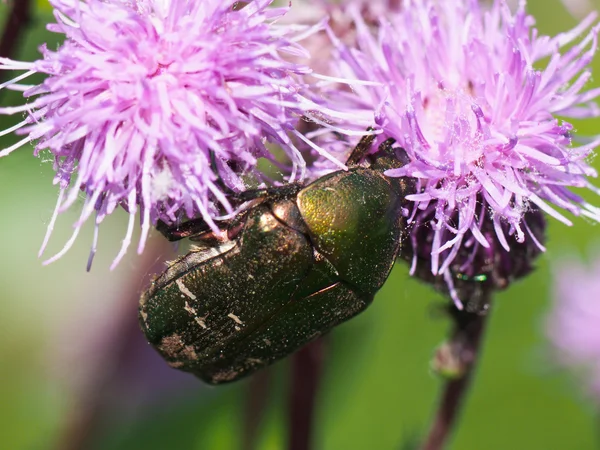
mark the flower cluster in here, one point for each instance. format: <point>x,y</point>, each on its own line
<point>162,106</point>
<point>165,107</point>
<point>477,98</point>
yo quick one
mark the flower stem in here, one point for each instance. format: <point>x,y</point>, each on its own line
<point>110,358</point>
<point>462,351</point>
<point>257,398</point>
<point>18,18</point>
<point>307,365</point>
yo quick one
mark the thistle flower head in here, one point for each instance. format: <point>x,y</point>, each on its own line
<point>573,326</point>
<point>161,107</point>
<point>479,101</point>
<point>476,271</point>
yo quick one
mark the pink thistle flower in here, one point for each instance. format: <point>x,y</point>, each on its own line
<point>161,106</point>
<point>465,90</point>
<point>573,325</point>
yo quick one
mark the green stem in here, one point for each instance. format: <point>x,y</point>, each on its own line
<point>465,346</point>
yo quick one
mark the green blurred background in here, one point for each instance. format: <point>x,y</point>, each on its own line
<point>74,370</point>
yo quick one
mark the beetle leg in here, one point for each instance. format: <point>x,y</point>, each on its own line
<point>195,230</point>
<point>199,230</point>
<point>215,169</point>
<point>361,149</point>
<point>272,193</point>
<point>252,194</point>
<point>182,230</point>
<point>210,238</point>
<point>386,146</point>
<point>363,146</point>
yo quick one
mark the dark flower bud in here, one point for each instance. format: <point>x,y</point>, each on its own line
<point>475,271</point>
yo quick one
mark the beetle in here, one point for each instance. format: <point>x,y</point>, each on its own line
<point>297,262</point>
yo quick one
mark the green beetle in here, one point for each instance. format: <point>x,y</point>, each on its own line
<point>298,262</point>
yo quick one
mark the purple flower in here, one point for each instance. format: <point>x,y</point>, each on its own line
<point>478,99</point>
<point>162,106</point>
<point>573,325</point>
